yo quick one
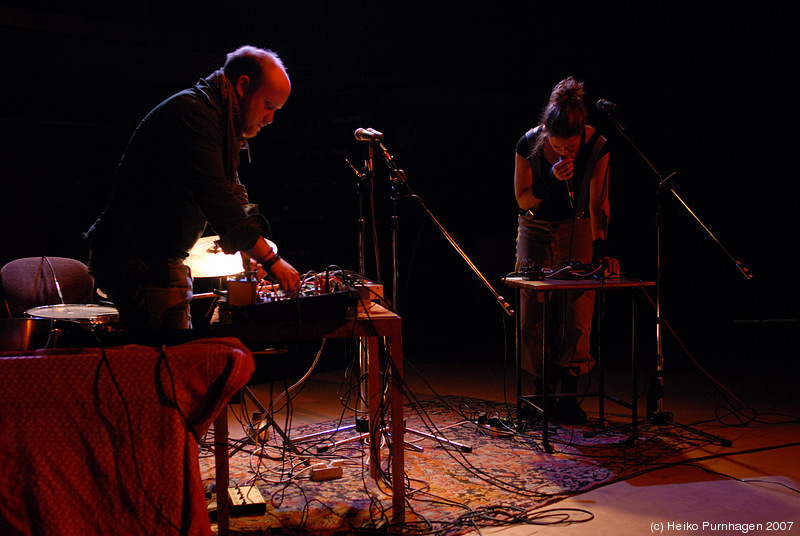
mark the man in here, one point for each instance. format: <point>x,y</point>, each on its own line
<point>178,174</point>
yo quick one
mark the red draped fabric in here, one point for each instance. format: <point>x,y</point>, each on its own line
<point>97,442</point>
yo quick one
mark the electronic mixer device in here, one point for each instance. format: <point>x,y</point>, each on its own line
<point>570,270</point>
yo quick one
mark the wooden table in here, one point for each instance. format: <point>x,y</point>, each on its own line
<point>548,286</point>
<point>373,323</point>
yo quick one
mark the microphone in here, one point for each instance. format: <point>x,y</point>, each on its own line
<point>568,182</point>
<point>368,134</point>
<point>571,193</point>
<point>606,106</point>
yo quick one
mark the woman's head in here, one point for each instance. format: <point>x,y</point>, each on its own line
<point>565,114</point>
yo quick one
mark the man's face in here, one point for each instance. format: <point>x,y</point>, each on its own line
<point>258,106</point>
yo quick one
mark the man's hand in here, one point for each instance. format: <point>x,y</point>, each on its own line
<point>286,276</point>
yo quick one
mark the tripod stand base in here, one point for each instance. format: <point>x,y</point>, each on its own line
<point>266,421</point>
<point>659,418</point>
<point>333,445</point>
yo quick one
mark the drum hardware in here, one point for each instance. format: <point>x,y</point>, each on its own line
<point>24,334</point>
<point>206,259</point>
<point>71,325</point>
<point>235,282</point>
<point>98,318</point>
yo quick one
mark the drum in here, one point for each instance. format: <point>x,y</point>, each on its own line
<point>93,316</point>
<point>23,334</point>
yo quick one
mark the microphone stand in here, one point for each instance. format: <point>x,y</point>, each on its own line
<point>365,184</point>
<point>398,178</point>
<point>655,394</point>
<point>362,424</point>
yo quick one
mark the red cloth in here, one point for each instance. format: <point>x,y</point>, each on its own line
<point>108,446</point>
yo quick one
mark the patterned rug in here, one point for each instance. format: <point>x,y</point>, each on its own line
<point>485,475</point>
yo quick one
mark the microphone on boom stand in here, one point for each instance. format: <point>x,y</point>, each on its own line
<point>606,106</point>
<point>368,134</point>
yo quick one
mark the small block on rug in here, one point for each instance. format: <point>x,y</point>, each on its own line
<point>246,500</point>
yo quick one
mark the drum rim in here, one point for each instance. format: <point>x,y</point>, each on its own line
<point>107,312</point>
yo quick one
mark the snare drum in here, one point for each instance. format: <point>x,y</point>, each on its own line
<point>93,316</point>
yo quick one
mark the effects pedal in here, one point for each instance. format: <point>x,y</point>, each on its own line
<point>246,501</point>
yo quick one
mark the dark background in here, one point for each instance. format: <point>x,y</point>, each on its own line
<point>705,92</point>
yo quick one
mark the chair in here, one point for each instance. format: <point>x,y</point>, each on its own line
<point>38,281</point>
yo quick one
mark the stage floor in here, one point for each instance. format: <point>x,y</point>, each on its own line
<point>754,481</point>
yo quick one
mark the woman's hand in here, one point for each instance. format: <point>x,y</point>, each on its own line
<point>563,169</point>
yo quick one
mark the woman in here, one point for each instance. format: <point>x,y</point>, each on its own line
<point>561,186</point>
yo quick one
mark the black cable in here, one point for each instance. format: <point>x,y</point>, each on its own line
<point>744,414</point>
<point>105,363</point>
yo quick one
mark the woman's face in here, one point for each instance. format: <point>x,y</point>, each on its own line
<point>565,147</point>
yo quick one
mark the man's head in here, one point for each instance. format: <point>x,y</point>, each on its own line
<point>261,85</point>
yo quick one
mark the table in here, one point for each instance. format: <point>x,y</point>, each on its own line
<point>548,286</point>
<point>374,322</point>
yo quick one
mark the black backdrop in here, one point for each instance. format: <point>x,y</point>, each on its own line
<point>706,93</point>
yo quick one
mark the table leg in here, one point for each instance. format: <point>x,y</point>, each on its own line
<point>545,394</point>
<point>374,405</point>
<point>398,431</point>
<point>634,380</point>
<point>222,471</point>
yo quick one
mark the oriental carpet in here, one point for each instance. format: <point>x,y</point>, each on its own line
<point>490,475</point>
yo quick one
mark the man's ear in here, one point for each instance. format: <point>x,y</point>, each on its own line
<point>241,86</point>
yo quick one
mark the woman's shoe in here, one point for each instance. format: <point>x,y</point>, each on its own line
<point>568,409</point>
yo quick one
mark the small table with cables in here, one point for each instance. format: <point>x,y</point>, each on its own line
<point>548,286</point>
<point>372,324</point>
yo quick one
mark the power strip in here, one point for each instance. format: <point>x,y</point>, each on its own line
<point>246,501</point>
<point>326,471</point>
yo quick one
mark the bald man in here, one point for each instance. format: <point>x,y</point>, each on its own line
<point>179,174</point>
